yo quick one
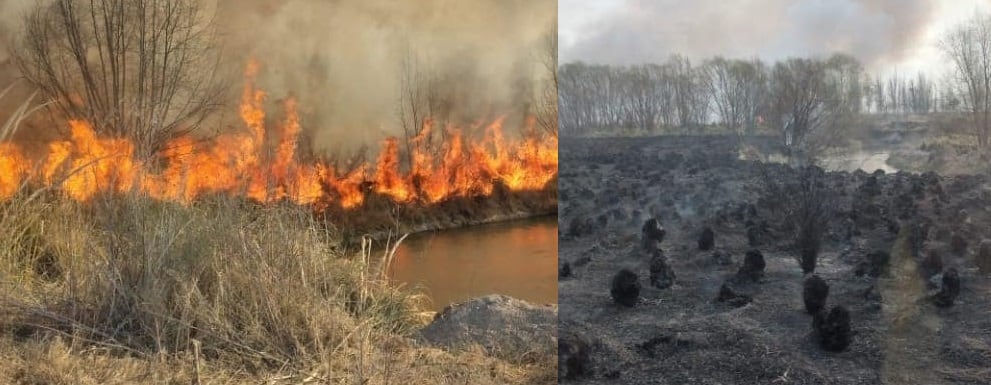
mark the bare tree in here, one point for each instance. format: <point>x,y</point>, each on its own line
<point>642,87</point>
<point>879,99</point>
<point>737,89</point>
<point>843,76</point>
<point>691,96</point>
<point>575,98</point>
<point>645,96</point>
<point>969,48</point>
<point>727,91</point>
<point>897,95</point>
<point>802,104</point>
<point>796,87</point>
<point>546,107</point>
<point>142,69</point>
<point>413,103</point>
<point>799,96</point>
<point>590,97</point>
<point>921,94</point>
<point>948,99</point>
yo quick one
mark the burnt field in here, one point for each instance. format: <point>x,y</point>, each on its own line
<point>904,257</point>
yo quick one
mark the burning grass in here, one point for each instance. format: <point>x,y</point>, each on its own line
<point>444,163</point>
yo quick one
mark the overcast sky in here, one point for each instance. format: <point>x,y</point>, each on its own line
<point>884,34</point>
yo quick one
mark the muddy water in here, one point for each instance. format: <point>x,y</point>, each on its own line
<point>862,160</point>
<point>517,258</point>
<point>866,161</point>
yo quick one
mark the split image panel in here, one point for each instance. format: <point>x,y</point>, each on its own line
<point>774,192</point>
<point>279,192</point>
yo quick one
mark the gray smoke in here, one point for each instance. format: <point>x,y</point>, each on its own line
<point>11,13</point>
<point>342,59</point>
<point>874,31</point>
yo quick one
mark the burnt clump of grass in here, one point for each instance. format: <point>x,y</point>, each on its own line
<point>574,357</point>
<point>958,244</point>
<point>662,275</point>
<point>730,296</point>
<point>752,269</point>
<point>815,290</point>
<point>707,239</point>
<point>580,226</point>
<point>949,290</point>
<point>625,288</point>
<point>833,329</point>
<point>809,214</point>
<point>564,270</point>
<point>652,233</point>
<point>804,206</point>
<point>876,263</point>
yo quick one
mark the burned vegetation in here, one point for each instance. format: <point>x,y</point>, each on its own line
<point>734,271</point>
<point>814,294</point>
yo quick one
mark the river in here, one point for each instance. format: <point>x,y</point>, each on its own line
<point>515,258</point>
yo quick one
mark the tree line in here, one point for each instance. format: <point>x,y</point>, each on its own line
<point>794,97</point>
<point>737,94</point>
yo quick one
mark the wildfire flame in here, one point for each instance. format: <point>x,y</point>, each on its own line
<point>240,164</point>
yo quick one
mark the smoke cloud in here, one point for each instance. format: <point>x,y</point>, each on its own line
<point>11,13</point>
<point>343,59</point>
<point>877,32</point>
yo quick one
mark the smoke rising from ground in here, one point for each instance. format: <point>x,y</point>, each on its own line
<point>877,32</point>
<point>10,15</point>
<point>343,60</point>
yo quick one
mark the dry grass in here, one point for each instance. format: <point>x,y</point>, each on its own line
<point>125,289</point>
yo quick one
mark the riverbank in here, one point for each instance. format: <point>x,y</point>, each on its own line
<point>383,218</point>
<point>125,289</point>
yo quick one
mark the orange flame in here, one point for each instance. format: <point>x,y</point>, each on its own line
<point>240,164</point>
<point>12,170</point>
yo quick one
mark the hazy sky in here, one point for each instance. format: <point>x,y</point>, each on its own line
<point>883,34</point>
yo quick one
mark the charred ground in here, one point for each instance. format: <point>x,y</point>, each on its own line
<point>889,225</point>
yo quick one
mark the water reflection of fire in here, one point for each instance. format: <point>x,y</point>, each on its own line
<point>241,164</point>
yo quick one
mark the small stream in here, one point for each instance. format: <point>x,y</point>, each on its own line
<point>852,161</point>
<point>515,258</point>
<point>867,161</point>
